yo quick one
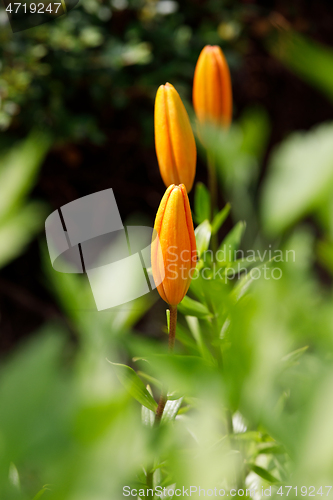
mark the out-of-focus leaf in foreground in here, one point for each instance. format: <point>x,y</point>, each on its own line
<point>18,170</point>
<point>134,385</point>
<point>300,178</point>
<point>309,59</point>
<point>19,229</point>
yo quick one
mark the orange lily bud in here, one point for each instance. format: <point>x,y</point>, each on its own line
<point>174,140</point>
<point>212,92</point>
<point>174,253</point>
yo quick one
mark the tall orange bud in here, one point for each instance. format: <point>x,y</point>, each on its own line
<point>174,254</point>
<point>174,140</point>
<point>212,92</point>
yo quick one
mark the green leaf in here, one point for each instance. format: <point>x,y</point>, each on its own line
<point>18,230</point>
<point>184,337</point>
<point>41,492</point>
<point>190,307</point>
<point>292,358</point>
<point>183,374</point>
<point>263,473</point>
<point>150,379</point>
<point>171,409</point>
<point>220,218</point>
<point>202,235</point>
<point>194,326</point>
<point>300,178</point>
<point>255,126</point>
<point>231,243</point>
<point>18,170</point>
<point>14,477</point>
<point>272,450</point>
<point>134,385</point>
<point>147,416</point>
<point>240,265</point>
<point>310,60</point>
<point>201,203</point>
<point>245,282</point>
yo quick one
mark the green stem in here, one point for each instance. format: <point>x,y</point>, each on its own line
<point>149,479</point>
<point>212,185</point>
<point>172,330</point>
<point>172,337</point>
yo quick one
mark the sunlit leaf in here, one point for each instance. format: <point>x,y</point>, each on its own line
<point>245,281</point>
<point>194,326</point>
<point>201,203</point>
<point>231,243</point>
<point>171,409</point>
<point>309,59</point>
<point>190,307</point>
<point>300,178</point>
<point>147,416</point>
<point>220,218</point>
<point>19,229</point>
<point>202,235</point>
<point>18,170</point>
<point>14,477</point>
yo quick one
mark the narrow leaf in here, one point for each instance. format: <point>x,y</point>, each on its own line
<point>147,416</point>
<point>171,409</point>
<point>301,55</point>
<point>19,229</point>
<point>292,358</point>
<point>220,218</point>
<point>41,492</point>
<point>202,235</point>
<point>245,282</point>
<point>18,169</point>
<point>190,307</point>
<point>231,243</point>
<point>272,450</point>
<point>263,473</point>
<point>201,203</point>
<point>194,326</point>
<point>134,385</point>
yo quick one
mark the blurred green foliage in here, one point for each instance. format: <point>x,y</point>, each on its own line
<point>20,220</point>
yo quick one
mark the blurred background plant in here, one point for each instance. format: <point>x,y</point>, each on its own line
<point>68,428</point>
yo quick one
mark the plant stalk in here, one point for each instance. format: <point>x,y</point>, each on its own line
<point>173,324</point>
<point>172,337</point>
<point>160,408</point>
